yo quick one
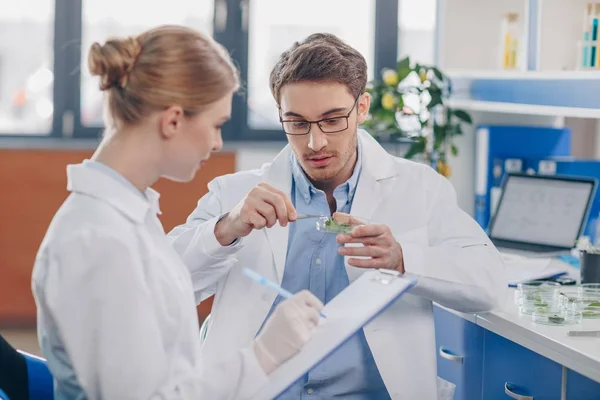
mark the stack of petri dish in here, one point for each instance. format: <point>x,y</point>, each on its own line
<point>546,304</point>
<point>586,300</point>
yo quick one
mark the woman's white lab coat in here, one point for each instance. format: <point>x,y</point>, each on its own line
<point>116,310</point>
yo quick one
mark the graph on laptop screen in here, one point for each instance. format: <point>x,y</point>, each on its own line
<point>541,210</point>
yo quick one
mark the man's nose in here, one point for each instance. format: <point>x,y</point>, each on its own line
<point>318,139</point>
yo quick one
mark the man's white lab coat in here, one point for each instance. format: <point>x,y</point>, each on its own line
<point>455,262</point>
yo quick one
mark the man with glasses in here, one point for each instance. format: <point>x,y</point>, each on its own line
<point>251,219</point>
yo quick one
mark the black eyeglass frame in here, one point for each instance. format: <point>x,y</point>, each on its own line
<point>318,122</point>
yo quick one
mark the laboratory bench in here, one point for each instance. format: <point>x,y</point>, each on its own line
<point>503,354</point>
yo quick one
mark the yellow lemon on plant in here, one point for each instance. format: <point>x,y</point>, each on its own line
<point>443,168</point>
<point>388,101</point>
<point>390,77</point>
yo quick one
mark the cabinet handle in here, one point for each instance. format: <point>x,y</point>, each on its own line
<point>449,356</point>
<point>513,395</point>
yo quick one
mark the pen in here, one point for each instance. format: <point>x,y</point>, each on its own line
<point>271,285</point>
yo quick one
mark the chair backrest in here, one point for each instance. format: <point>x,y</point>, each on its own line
<point>13,372</point>
<point>3,395</point>
<point>41,383</point>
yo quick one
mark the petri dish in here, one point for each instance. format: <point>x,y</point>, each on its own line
<point>589,289</point>
<point>557,317</point>
<point>328,225</point>
<point>575,296</point>
<point>549,301</point>
<point>530,290</point>
<point>588,308</point>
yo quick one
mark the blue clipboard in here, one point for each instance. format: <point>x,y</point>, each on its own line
<point>353,308</point>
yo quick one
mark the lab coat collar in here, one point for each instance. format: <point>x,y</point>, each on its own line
<point>95,183</point>
<point>377,164</point>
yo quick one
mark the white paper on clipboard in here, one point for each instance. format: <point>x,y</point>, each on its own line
<point>348,312</point>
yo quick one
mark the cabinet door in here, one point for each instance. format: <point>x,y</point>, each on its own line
<point>581,388</point>
<point>460,353</point>
<point>509,367</point>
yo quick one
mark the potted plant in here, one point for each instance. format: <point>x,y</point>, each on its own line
<point>409,103</point>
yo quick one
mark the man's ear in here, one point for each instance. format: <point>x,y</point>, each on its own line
<point>364,102</point>
<point>170,121</point>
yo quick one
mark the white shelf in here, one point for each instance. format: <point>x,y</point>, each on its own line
<point>524,109</point>
<point>471,32</point>
<point>524,75</point>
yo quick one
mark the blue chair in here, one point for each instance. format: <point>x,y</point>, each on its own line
<point>23,375</point>
<point>39,378</point>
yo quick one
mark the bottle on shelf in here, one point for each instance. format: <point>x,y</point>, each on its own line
<point>510,41</point>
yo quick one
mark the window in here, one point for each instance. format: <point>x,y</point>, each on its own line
<point>416,30</point>
<point>274,26</point>
<point>26,67</point>
<point>53,94</point>
<point>102,19</point>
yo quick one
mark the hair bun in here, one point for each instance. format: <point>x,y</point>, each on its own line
<point>113,61</point>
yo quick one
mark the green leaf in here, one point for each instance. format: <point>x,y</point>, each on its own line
<point>463,116</point>
<point>438,73</point>
<point>403,73</point>
<point>439,131</point>
<point>436,99</point>
<point>416,148</point>
<point>457,130</point>
<point>404,63</point>
<point>454,150</point>
<point>400,102</point>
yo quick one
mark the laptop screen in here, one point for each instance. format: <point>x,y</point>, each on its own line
<point>542,210</point>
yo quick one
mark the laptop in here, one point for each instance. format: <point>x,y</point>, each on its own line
<point>541,215</point>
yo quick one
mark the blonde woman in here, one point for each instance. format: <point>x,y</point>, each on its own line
<point>116,309</point>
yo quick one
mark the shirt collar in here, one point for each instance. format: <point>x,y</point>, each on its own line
<point>306,188</point>
<point>98,183</point>
<point>113,174</point>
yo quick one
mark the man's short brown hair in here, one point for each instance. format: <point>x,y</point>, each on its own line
<point>321,57</point>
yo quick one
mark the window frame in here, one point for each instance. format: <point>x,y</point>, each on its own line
<point>67,48</point>
<point>385,55</point>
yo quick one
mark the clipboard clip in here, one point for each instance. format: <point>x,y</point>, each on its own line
<point>385,276</point>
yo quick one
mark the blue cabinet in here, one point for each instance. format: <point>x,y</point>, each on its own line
<point>460,353</point>
<point>509,365</point>
<point>581,388</point>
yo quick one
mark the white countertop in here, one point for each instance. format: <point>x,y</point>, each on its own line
<point>581,354</point>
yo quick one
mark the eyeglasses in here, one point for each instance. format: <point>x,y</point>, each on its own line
<point>327,125</point>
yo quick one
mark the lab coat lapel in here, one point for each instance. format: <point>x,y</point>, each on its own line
<point>377,165</point>
<point>280,176</point>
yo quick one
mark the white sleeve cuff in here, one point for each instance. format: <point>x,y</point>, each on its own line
<point>253,376</point>
<point>211,246</point>
<point>413,259</point>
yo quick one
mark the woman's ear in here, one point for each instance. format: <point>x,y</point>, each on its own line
<point>170,121</point>
<point>364,103</point>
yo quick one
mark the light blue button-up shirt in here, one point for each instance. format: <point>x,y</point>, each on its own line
<point>313,263</point>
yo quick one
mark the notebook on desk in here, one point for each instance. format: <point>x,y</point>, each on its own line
<point>348,312</point>
<point>541,216</point>
<point>538,218</point>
